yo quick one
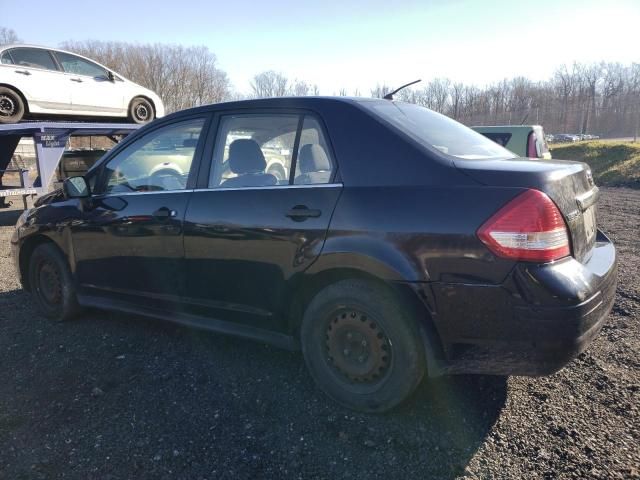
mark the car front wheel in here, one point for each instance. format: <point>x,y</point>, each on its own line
<point>11,106</point>
<point>141,110</point>
<point>51,283</point>
<point>362,346</point>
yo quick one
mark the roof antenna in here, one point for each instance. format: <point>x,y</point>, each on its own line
<point>389,96</point>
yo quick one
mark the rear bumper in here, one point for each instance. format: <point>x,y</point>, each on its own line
<point>537,321</point>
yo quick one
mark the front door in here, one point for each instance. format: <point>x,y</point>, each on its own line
<point>91,88</point>
<point>248,232</point>
<point>130,241</point>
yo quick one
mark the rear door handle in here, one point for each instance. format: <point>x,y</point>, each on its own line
<point>23,72</point>
<point>302,212</point>
<point>79,80</point>
<point>163,213</point>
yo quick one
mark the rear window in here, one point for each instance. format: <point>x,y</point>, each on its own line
<point>499,137</point>
<point>437,131</point>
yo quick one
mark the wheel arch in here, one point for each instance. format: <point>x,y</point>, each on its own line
<point>312,284</point>
<point>26,249</point>
<point>19,92</point>
<point>148,99</point>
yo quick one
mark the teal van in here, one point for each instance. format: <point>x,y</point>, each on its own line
<point>523,140</point>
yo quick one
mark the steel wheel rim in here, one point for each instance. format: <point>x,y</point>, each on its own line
<point>356,348</point>
<point>7,106</point>
<point>141,112</point>
<point>49,284</point>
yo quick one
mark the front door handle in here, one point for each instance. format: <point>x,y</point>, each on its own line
<point>302,212</point>
<point>163,213</point>
<point>23,72</point>
<point>79,80</point>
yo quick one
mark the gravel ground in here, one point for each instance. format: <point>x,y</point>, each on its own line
<point>113,396</point>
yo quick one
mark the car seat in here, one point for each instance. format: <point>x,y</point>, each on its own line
<point>247,161</point>
<point>314,165</point>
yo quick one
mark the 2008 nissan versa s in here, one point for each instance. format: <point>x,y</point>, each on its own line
<point>401,244</point>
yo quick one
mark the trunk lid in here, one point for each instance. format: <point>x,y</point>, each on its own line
<point>569,184</point>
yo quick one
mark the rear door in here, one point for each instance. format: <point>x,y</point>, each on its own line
<point>248,232</point>
<point>129,242</point>
<point>35,72</point>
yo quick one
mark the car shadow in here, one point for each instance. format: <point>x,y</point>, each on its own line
<point>106,368</point>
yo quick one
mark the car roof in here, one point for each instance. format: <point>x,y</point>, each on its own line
<point>310,102</point>
<point>29,45</point>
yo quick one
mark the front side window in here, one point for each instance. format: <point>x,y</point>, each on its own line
<point>159,161</point>
<point>5,59</point>
<point>313,164</point>
<point>80,66</point>
<point>437,131</point>
<point>33,58</point>
<point>253,150</point>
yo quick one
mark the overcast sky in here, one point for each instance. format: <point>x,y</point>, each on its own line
<point>351,43</point>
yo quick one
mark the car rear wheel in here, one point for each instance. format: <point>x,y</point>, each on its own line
<point>52,284</point>
<point>141,110</point>
<point>12,107</point>
<point>362,347</point>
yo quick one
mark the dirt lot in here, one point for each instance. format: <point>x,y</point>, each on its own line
<point>116,397</point>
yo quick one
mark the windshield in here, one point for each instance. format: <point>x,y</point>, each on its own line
<point>438,131</point>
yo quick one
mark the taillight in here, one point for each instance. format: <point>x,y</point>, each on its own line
<point>530,227</point>
<point>532,151</point>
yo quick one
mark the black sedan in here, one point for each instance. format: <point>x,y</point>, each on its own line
<point>386,241</point>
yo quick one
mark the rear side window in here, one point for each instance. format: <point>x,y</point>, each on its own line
<point>314,165</point>
<point>499,137</point>
<point>33,58</point>
<point>5,59</point>
<point>80,66</point>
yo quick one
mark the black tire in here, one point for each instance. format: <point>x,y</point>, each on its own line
<point>12,108</point>
<point>52,285</point>
<point>141,111</point>
<point>394,359</point>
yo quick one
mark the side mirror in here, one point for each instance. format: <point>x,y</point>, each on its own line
<point>76,187</point>
<point>111,76</point>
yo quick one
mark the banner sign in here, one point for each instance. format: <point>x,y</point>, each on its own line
<point>15,192</point>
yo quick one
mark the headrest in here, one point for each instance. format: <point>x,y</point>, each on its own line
<point>313,158</point>
<point>190,142</point>
<point>245,156</point>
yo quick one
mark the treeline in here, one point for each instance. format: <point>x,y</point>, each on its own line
<point>183,76</point>
<point>599,98</point>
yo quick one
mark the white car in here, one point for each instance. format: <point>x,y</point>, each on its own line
<point>46,81</point>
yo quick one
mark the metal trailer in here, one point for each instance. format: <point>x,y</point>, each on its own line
<point>50,140</point>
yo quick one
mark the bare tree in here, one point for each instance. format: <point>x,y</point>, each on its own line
<point>600,98</point>
<point>183,76</point>
<point>269,84</point>
<point>8,36</point>
<point>380,91</point>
